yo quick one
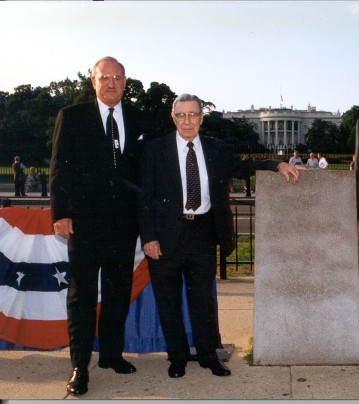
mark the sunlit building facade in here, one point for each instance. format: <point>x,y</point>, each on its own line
<point>283,128</point>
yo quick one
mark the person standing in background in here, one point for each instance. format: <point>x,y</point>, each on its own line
<point>296,159</point>
<point>352,164</point>
<point>322,161</point>
<point>19,176</point>
<point>43,182</point>
<point>32,180</point>
<point>312,162</point>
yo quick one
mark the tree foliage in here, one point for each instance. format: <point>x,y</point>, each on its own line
<point>348,126</point>
<point>324,137</point>
<point>27,118</point>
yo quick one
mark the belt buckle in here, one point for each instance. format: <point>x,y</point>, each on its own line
<point>189,216</point>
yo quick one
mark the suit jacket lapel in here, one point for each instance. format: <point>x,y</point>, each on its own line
<point>129,125</point>
<point>170,151</point>
<point>208,152</point>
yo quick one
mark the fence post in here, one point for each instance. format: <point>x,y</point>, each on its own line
<point>356,162</point>
<point>251,236</point>
<point>222,264</point>
<point>248,186</point>
<point>356,146</point>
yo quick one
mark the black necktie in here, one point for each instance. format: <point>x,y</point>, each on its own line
<point>193,181</point>
<point>112,130</point>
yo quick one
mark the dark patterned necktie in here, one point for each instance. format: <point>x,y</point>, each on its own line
<point>112,130</point>
<point>193,180</point>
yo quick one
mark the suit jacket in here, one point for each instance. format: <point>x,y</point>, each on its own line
<point>84,184</point>
<point>162,198</point>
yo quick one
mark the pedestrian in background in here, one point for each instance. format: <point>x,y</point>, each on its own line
<point>296,159</point>
<point>352,164</point>
<point>19,176</point>
<point>312,162</point>
<point>43,182</point>
<point>32,180</point>
<point>322,161</point>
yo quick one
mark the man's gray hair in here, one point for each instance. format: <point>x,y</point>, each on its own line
<point>187,97</point>
<point>107,59</point>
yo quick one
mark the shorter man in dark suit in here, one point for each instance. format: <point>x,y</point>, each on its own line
<point>185,213</point>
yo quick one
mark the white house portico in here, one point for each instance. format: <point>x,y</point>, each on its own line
<point>282,128</point>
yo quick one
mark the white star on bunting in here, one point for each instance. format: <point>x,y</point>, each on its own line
<point>60,276</point>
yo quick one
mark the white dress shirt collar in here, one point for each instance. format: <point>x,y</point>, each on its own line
<point>182,143</point>
<point>104,109</point>
<point>117,114</point>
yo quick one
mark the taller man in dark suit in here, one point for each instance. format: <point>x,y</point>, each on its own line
<point>93,174</point>
<point>180,228</point>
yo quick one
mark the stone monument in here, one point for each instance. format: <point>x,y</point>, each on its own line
<point>306,290</point>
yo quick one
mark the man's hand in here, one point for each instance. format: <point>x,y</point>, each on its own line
<point>63,227</point>
<point>153,250</point>
<point>289,171</point>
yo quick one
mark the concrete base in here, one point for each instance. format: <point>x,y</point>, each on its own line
<point>306,290</point>
<point>224,354</point>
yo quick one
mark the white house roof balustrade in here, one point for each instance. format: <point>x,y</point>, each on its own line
<point>283,127</point>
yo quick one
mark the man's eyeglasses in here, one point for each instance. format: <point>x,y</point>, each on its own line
<point>181,116</point>
<point>106,79</point>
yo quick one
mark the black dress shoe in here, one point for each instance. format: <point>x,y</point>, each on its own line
<point>217,367</point>
<point>177,369</point>
<point>119,365</point>
<point>78,381</point>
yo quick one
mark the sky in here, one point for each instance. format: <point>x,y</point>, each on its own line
<point>234,54</point>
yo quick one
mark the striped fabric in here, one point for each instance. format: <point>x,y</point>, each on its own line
<point>33,287</point>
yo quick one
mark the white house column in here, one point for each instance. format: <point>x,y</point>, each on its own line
<point>293,140</point>
<point>262,133</point>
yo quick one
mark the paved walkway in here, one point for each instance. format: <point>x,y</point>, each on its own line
<point>43,375</point>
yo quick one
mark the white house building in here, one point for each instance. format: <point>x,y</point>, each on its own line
<point>282,128</point>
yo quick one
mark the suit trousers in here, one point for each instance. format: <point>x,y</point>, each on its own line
<point>194,261</point>
<point>116,282</point>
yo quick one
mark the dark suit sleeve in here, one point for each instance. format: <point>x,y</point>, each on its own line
<point>239,168</point>
<point>60,169</point>
<point>148,197</point>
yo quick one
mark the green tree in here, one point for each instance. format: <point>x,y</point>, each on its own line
<point>348,126</point>
<point>215,126</point>
<point>85,91</point>
<point>65,92</point>
<point>239,133</point>
<point>134,93</point>
<point>22,125</point>
<point>157,103</point>
<point>246,135</point>
<point>324,137</point>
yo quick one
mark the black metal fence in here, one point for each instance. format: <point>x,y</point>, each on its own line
<point>235,259</point>
<point>336,162</point>
<point>7,175</point>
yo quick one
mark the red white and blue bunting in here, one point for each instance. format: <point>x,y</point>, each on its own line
<point>33,287</point>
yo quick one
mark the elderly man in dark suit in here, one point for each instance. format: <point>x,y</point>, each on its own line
<point>93,175</point>
<point>185,213</point>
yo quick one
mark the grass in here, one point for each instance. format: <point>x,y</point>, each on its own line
<point>248,354</point>
<point>243,254</point>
